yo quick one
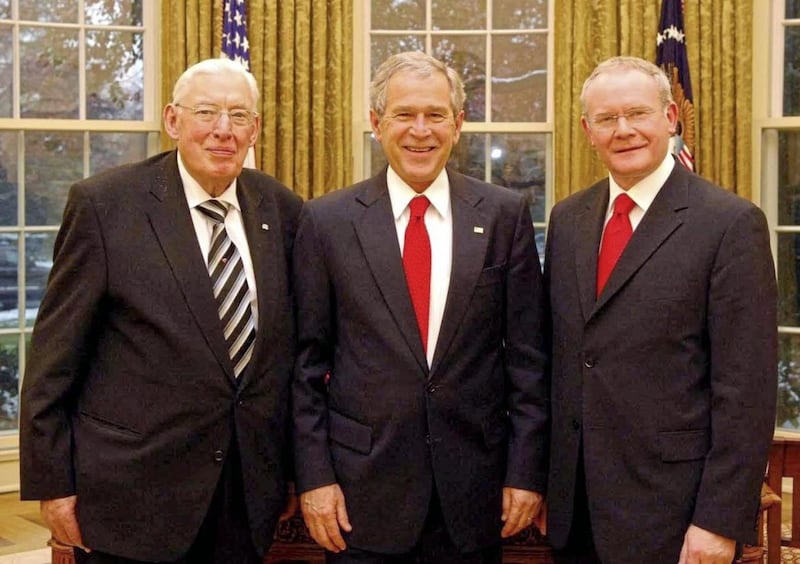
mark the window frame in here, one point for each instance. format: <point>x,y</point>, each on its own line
<point>360,109</point>
<point>150,124</point>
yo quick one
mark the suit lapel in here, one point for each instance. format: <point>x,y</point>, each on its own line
<point>587,232</point>
<point>469,254</point>
<point>171,221</point>
<point>376,232</point>
<point>262,228</point>
<point>660,221</point>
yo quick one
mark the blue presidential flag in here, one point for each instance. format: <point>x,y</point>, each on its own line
<point>671,56</point>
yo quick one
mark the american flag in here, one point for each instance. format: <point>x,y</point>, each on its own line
<point>236,47</point>
<point>671,56</point>
<point>234,32</point>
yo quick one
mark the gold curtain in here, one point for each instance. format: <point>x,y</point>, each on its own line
<point>718,39</point>
<point>300,56</point>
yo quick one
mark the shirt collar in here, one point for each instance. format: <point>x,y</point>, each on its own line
<point>645,191</point>
<point>401,194</point>
<point>195,195</point>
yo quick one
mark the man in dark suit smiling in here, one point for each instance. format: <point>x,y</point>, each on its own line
<point>155,406</point>
<point>663,306</point>
<point>420,400</point>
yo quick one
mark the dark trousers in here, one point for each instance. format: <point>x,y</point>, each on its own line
<point>433,547</point>
<point>580,544</point>
<point>223,538</point>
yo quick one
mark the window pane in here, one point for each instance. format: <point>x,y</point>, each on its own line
<point>38,262</point>
<point>5,9</point>
<point>6,71</point>
<point>390,14</point>
<point>49,69</point>
<point>469,156</point>
<point>467,56</point>
<point>9,280</point>
<point>791,72</point>
<point>458,14</point>
<point>788,415</point>
<point>518,162</point>
<point>792,9</point>
<point>9,381</point>
<point>8,178</point>
<point>788,278</point>
<point>62,11</point>
<point>384,46</point>
<point>520,14</point>
<point>53,161</point>
<point>519,81</point>
<point>111,149</point>
<point>113,12</point>
<point>114,75</point>
<point>788,178</point>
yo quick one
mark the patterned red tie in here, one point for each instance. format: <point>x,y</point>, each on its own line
<point>615,237</point>
<point>417,264</point>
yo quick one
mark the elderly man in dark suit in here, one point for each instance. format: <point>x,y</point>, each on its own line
<point>420,400</point>
<point>155,406</point>
<point>663,306</point>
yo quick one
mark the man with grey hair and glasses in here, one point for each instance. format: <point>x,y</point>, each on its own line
<point>662,302</point>
<point>155,405</point>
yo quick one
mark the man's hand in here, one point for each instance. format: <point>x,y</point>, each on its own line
<point>291,503</point>
<point>704,547</point>
<point>520,507</point>
<point>325,514</point>
<point>59,515</point>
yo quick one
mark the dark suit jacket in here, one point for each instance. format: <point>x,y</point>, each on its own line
<point>129,400</point>
<point>669,377</point>
<point>386,427</point>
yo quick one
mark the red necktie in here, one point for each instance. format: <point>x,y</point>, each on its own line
<point>417,264</point>
<point>615,237</point>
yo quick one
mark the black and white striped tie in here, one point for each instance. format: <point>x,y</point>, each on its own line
<point>230,288</point>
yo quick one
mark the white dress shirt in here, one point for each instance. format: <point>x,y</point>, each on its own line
<point>234,225</point>
<point>642,193</point>
<point>439,223</point>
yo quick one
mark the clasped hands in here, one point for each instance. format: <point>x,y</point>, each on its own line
<point>325,514</point>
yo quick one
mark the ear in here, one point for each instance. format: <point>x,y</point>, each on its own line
<point>256,131</point>
<point>375,122</point>
<point>170,117</point>
<point>672,117</point>
<point>459,123</point>
<point>587,130</point>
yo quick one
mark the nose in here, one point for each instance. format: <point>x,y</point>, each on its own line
<point>623,126</point>
<point>420,124</point>
<point>223,125</point>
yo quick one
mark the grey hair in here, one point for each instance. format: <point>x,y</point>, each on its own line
<point>212,67</point>
<point>636,64</point>
<point>420,64</point>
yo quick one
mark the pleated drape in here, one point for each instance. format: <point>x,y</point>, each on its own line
<point>300,56</point>
<point>718,38</point>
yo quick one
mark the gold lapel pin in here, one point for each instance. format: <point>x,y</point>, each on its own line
<point>477,229</point>
<point>265,227</point>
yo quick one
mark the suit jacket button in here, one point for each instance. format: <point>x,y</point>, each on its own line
<point>429,440</point>
<point>431,388</point>
<point>588,363</point>
<point>576,424</point>
<point>219,456</point>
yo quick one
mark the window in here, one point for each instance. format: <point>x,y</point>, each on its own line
<point>77,95</point>
<point>503,51</point>
<point>776,146</point>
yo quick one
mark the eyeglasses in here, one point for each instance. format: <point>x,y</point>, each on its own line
<point>206,113</point>
<point>608,122</point>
